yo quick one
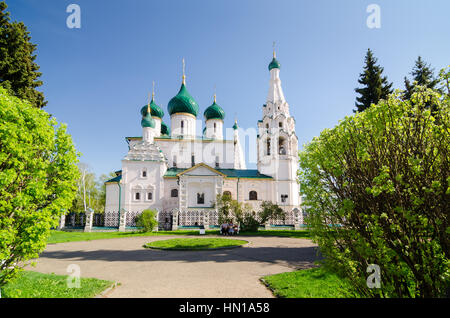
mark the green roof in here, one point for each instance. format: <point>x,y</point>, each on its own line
<point>165,130</point>
<point>183,102</point>
<point>115,179</point>
<point>230,173</point>
<point>155,110</point>
<point>235,126</point>
<point>214,112</point>
<point>148,121</point>
<point>274,64</point>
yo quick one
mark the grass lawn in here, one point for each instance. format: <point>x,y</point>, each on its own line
<point>66,236</point>
<point>37,285</point>
<point>194,243</point>
<point>307,283</point>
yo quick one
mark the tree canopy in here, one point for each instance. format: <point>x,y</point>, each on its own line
<point>377,191</point>
<point>18,70</point>
<point>375,85</point>
<point>38,176</point>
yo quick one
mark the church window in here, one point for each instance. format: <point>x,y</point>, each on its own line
<point>281,146</point>
<point>217,161</point>
<point>144,173</point>
<point>280,124</point>
<point>268,147</point>
<point>253,196</point>
<point>137,196</point>
<point>149,196</point>
<point>182,127</point>
<point>227,193</point>
<point>174,193</point>
<point>193,160</point>
<point>215,126</point>
<point>284,198</point>
<point>174,161</point>
<point>200,198</point>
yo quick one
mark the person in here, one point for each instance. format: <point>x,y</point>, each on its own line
<point>223,229</point>
<point>236,229</point>
<point>231,229</point>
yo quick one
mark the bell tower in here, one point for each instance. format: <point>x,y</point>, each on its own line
<point>278,143</point>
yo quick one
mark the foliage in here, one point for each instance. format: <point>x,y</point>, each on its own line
<point>375,86</point>
<point>18,70</point>
<point>147,220</point>
<point>90,192</point>
<point>37,285</point>
<point>422,75</point>
<point>377,190</point>
<point>231,211</point>
<point>37,181</point>
<point>194,243</point>
<point>270,211</point>
<point>308,283</point>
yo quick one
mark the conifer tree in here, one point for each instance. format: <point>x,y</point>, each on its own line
<point>423,75</point>
<point>18,71</point>
<point>375,86</point>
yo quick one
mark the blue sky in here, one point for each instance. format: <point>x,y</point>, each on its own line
<point>98,77</point>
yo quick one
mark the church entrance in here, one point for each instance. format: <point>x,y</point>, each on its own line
<point>165,220</point>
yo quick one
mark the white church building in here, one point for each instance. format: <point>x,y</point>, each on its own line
<point>179,174</point>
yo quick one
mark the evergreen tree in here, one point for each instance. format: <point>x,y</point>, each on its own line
<point>375,86</point>
<point>18,71</point>
<point>423,75</point>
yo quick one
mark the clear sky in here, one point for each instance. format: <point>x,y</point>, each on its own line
<point>97,78</point>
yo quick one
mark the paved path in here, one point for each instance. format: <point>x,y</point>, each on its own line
<point>151,273</point>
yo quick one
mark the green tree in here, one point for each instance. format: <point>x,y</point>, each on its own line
<point>422,75</point>
<point>270,211</point>
<point>18,69</point>
<point>232,211</point>
<point>375,86</point>
<point>382,179</point>
<point>147,220</point>
<point>38,176</point>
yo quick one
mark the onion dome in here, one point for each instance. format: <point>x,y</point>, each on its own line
<point>156,111</point>
<point>147,120</point>
<point>183,103</point>
<point>165,130</point>
<point>214,111</point>
<point>274,64</point>
<point>235,126</point>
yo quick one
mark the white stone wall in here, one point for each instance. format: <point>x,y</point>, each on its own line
<point>211,132</point>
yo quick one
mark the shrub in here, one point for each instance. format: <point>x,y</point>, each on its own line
<point>38,176</point>
<point>147,220</point>
<point>377,188</point>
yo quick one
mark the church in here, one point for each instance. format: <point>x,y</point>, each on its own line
<point>173,170</point>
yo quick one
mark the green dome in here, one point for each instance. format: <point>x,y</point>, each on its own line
<point>183,103</point>
<point>147,121</point>
<point>214,112</point>
<point>165,130</point>
<point>155,110</point>
<point>274,64</point>
<point>235,126</point>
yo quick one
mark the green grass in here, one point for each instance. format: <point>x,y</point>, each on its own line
<point>307,283</point>
<point>66,236</point>
<point>37,285</point>
<point>194,243</point>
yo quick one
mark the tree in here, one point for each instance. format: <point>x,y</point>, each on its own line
<point>18,69</point>
<point>147,220</point>
<point>375,86</point>
<point>231,211</point>
<point>270,211</point>
<point>38,176</point>
<point>422,75</point>
<point>377,188</point>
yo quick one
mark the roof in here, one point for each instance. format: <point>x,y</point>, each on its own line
<point>229,173</point>
<point>115,179</point>
<point>155,110</point>
<point>274,64</point>
<point>214,112</point>
<point>183,102</point>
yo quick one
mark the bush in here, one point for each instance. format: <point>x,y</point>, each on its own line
<point>377,188</point>
<point>249,223</point>
<point>147,220</point>
<point>38,176</point>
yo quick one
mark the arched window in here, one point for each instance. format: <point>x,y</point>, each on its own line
<point>227,193</point>
<point>200,198</point>
<point>144,173</point>
<point>280,124</point>
<point>253,195</point>
<point>174,193</point>
<point>281,146</point>
<point>193,160</point>
<point>217,161</point>
<point>137,196</point>
<point>182,127</point>
<point>268,147</point>
<point>149,196</point>
<point>174,161</point>
<point>215,126</point>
